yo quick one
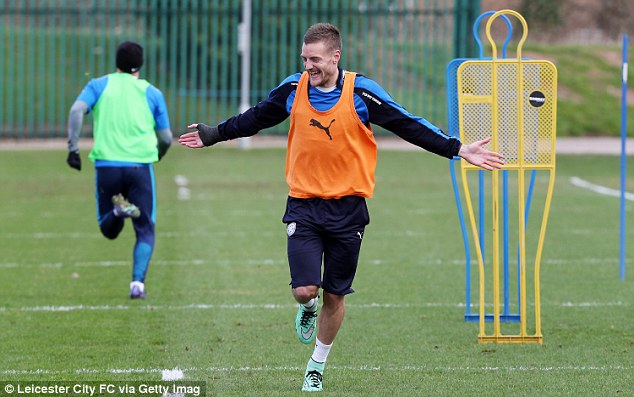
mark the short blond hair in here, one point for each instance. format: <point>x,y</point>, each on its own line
<point>326,33</point>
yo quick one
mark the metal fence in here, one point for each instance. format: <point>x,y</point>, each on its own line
<point>52,48</point>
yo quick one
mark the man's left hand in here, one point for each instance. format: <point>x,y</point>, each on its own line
<point>476,154</point>
<point>73,160</point>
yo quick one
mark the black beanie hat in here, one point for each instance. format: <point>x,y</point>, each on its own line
<point>129,57</point>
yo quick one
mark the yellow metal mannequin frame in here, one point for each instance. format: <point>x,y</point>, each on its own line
<point>517,100</point>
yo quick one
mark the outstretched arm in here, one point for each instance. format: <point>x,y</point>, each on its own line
<point>267,113</point>
<point>476,154</point>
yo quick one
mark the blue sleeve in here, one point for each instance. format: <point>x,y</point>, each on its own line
<point>156,101</point>
<point>291,80</point>
<point>92,91</point>
<point>382,110</point>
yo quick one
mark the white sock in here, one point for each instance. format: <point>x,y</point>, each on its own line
<point>310,304</point>
<point>320,354</point>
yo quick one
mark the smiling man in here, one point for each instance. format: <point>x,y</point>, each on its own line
<point>330,164</point>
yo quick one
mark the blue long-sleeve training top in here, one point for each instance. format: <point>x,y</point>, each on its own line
<point>372,103</point>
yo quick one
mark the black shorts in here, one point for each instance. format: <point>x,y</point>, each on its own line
<point>137,184</point>
<point>331,230</point>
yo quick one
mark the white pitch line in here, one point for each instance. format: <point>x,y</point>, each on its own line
<point>606,191</point>
<point>192,262</point>
<point>417,368</point>
<point>196,233</point>
<point>165,234</point>
<point>279,262</point>
<point>81,371</point>
<point>272,306</point>
<point>345,368</point>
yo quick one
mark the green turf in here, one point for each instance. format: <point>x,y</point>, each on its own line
<point>219,306</point>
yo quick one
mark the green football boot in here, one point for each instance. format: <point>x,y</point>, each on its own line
<point>306,322</point>
<point>313,376</point>
<point>123,208</point>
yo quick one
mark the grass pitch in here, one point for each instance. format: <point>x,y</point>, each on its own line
<point>219,308</point>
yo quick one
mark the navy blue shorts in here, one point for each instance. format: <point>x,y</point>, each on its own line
<point>137,184</point>
<point>328,230</point>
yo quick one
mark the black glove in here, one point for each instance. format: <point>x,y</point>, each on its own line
<point>162,149</point>
<point>74,160</point>
<point>208,135</point>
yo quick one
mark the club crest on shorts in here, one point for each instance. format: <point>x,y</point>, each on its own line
<point>290,229</point>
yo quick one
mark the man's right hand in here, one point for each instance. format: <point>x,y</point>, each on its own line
<point>73,160</point>
<point>191,139</point>
<point>204,136</point>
